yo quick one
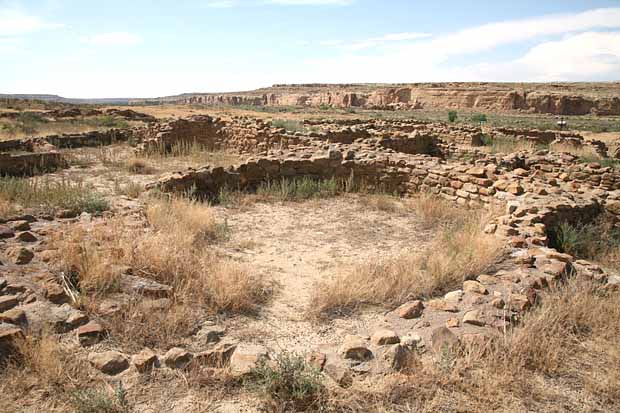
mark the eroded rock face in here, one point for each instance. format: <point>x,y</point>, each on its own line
<point>497,97</point>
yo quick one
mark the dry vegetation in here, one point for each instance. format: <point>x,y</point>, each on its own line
<point>563,356</point>
<point>176,250</point>
<point>49,196</point>
<point>459,251</point>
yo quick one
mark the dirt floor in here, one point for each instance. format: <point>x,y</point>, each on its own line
<point>300,244</point>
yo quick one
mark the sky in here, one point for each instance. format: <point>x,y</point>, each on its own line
<point>140,48</point>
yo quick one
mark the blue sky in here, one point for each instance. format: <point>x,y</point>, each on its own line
<point>139,48</point>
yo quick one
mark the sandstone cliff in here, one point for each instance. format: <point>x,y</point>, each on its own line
<point>557,99</point>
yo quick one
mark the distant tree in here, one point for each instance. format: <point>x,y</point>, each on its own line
<point>452,116</point>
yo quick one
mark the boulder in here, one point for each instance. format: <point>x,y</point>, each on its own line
<point>6,232</point>
<point>217,357</point>
<point>355,348</point>
<point>384,337</point>
<point>109,362</point>
<point>90,334</point>
<point>443,339</point>
<point>413,309</point>
<point>26,236</point>
<point>475,287</point>
<point>474,317</point>
<point>19,255</point>
<point>145,360</point>
<point>246,357</point>
<point>7,302</point>
<point>178,358</point>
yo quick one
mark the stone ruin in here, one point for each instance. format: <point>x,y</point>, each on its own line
<point>536,189</point>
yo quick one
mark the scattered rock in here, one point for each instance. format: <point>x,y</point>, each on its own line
<point>109,362</point>
<point>26,237</point>
<point>217,357</point>
<point>7,302</point>
<point>145,360</point>
<point>178,358</point>
<point>6,232</point>
<point>384,337</point>
<point>474,317</point>
<point>397,356</point>
<point>355,348</point>
<point>90,334</point>
<point>410,310</point>
<point>443,305</point>
<point>442,338</point>
<point>454,296</point>
<point>452,322</point>
<point>338,372</point>
<point>14,316</point>
<point>22,225</point>
<point>55,293</point>
<point>20,255</point>
<point>475,287</point>
<point>246,357</point>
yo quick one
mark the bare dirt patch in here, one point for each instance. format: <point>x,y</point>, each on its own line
<point>302,244</point>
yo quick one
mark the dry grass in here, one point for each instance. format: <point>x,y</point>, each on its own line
<point>175,249</point>
<point>459,251</point>
<point>563,357</point>
<point>43,369</point>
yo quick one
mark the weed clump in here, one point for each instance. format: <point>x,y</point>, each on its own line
<point>52,196</point>
<point>288,381</point>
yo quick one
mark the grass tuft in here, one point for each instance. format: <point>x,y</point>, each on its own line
<point>51,196</point>
<point>460,250</point>
<point>288,381</point>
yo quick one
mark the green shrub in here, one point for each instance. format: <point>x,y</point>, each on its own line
<point>452,116</point>
<point>587,241</point>
<point>99,401</point>
<point>486,140</point>
<point>298,189</point>
<point>289,381</point>
<point>289,125</point>
<point>478,117</point>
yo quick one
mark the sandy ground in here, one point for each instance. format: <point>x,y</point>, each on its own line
<point>300,244</point>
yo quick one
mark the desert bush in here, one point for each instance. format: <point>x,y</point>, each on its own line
<point>174,250</point>
<point>452,116</point>
<point>289,381</point>
<point>479,117</point>
<point>99,400</point>
<point>41,364</point>
<point>460,250</point>
<point>52,195</point>
<point>298,189</point>
<point>288,125</point>
<point>139,166</point>
<point>130,189</point>
<point>598,241</point>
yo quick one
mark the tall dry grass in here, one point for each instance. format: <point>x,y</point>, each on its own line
<point>176,249</point>
<point>562,357</point>
<point>459,251</point>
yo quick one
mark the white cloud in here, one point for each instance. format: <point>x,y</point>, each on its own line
<point>113,39</point>
<point>16,23</point>
<point>581,55</point>
<point>221,4</point>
